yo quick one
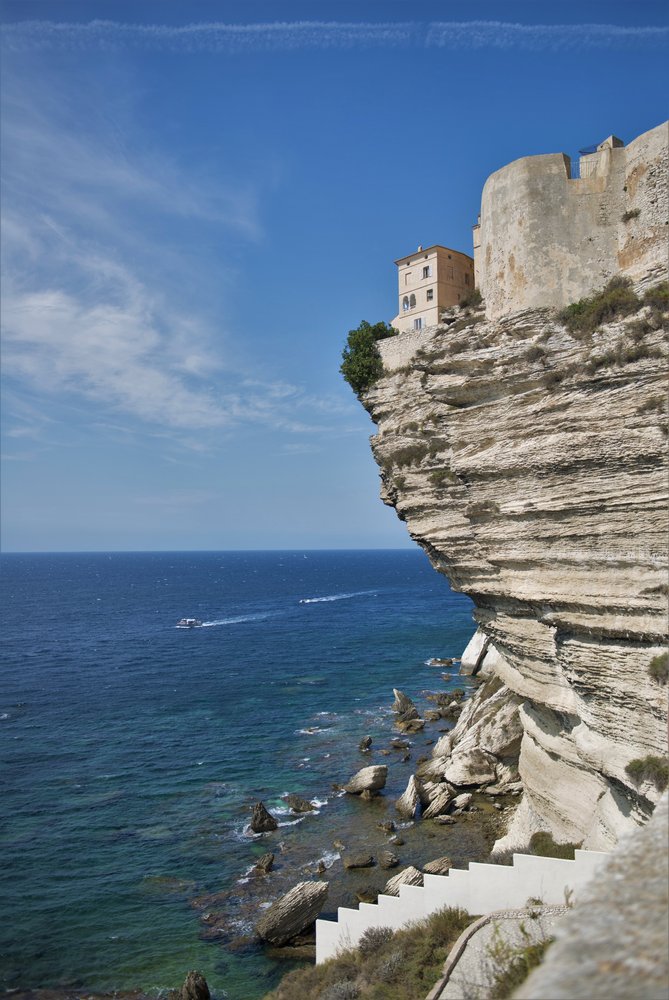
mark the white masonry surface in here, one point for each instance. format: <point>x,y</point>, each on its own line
<point>482,889</point>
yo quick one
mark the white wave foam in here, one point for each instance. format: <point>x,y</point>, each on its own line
<point>328,859</point>
<point>336,597</point>
<point>4,715</point>
<point>312,730</point>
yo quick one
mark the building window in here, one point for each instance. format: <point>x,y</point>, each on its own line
<point>449,271</point>
<point>427,271</point>
<point>407,278</point>
<point>412,301</point>
<point>430,294</point>
<point>405,303</point>
<point>418,324</point>
<point>466,279</point>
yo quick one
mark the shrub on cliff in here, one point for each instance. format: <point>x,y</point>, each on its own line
<point>650,768</point>
<point>616,299</point>
<point>543,844</point>
<point>361,362</point>
<point>658,668</point>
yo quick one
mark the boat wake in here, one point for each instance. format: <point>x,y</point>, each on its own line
<point>237,620</point>
<point>336,597</point>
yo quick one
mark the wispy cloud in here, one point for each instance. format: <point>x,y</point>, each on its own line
<point>293,35</point>
<point>98,311</point>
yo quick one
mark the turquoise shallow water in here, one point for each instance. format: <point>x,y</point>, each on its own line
<point>131,750</point>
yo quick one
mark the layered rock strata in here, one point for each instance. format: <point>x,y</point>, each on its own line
<point>531,468</point>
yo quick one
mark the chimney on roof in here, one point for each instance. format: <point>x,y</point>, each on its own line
<point>420,247</point>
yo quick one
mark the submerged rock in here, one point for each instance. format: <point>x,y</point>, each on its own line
<point>387,859</point>
<point>360,859</point>
<point>408,876</point>
<point>261,820</point>
<point>369,779</point>
<point>292,913</point>
<point>298,804</point>
<point>264,864</point>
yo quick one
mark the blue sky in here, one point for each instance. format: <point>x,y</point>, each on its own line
<point>201,199</point>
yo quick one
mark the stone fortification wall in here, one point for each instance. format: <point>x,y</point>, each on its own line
<point>548,240</point>
<point>396,352</point>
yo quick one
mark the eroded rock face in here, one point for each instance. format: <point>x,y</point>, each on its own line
<point>531,468</point>
<point>292,913</point>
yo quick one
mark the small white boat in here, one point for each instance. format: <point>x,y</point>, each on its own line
<point>189,623</point>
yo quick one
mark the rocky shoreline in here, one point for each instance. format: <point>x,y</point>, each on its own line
<point>427,797</point>
<point>419,796</point>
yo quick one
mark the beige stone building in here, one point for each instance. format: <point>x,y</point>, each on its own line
<point>549,234</point>
<point>429,281</point>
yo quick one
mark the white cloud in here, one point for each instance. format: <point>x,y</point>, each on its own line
<point>220,37</point>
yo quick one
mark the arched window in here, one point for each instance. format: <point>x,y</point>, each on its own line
<point>405,303</point>
<point>412,301</point>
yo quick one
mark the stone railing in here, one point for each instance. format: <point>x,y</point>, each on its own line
<point>480,890</point>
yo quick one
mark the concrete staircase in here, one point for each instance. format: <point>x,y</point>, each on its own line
<point>480,890</point>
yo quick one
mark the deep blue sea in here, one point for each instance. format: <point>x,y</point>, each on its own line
<point>131,750</point>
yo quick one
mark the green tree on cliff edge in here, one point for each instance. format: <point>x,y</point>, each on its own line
<point>361,362</point>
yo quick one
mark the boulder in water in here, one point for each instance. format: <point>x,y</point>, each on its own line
<point>359,859</point>
<point>264,864</point>
<point>292,913</point>
<point>403,703</point>
<point>195,987</point>
<point>408,876</point>
<point>440,866</point>
<point>261,820</point>
<point>365,743</point>
<point>369,779</point>
<point>298,804</point>
<point>408,802</point>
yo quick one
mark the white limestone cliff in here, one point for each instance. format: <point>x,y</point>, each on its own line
<point>531,468</point>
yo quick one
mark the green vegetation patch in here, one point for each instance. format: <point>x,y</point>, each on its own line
<point>543,845</point>
<point>658,668</point>
<point>361,362</point>
<point>657,297</point>
<point>650,768</point>
<point>386,966</point>
<point>616,299</point>
<point>472,300</point>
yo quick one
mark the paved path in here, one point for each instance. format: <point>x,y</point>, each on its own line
<point>483,950</point>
